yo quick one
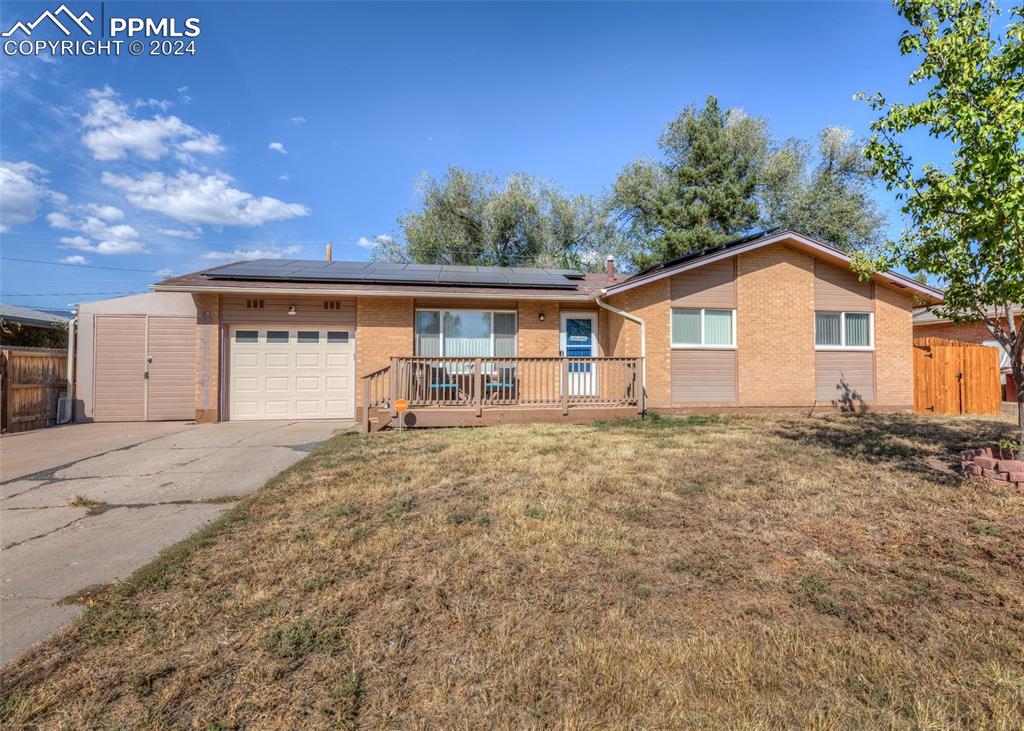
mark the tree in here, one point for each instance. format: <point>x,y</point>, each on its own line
<point>967,220</point>
<point>703,192</point>
<point>825,194</point>
<point>722,175</point>
<point>467,218</point>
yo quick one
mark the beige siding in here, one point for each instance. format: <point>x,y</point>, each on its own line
<point>703,376</point>
<point>172,372</point>
<point>120,367</point>
<point>845,376</point>
<point>712,285</point>
<point>275,309</point>
<point>839,289</point>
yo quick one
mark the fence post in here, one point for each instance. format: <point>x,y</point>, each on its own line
<point>366,405</point>
<point>394,386</point>
<point>565,386</point>
<point>478,386</point>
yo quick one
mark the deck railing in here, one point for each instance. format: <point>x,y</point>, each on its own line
<point>479,383</point>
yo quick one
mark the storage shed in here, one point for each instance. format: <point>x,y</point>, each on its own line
<point>136,358</point>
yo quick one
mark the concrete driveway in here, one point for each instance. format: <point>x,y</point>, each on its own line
<point>88,504</point>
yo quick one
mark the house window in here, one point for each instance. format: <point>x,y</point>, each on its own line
<point>332,304</point>
<point>465,334</point>
<point>703,328</point>
<point>254,304</point>
<point>837,330</point>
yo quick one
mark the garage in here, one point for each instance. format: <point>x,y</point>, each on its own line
<point>291,372</point>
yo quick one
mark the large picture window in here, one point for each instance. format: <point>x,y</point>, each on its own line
<point>465,334</point>
<point>703,328</point>
<point>838,330</point>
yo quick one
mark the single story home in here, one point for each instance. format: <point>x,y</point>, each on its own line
<point>25,326</point>
<point>927,324</point>
<point>772,321</point>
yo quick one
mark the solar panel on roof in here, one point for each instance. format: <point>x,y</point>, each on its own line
<point>383,272</point>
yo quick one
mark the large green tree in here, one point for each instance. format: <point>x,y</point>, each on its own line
<point>703,191</point>
<point>823,191</point>
<point>966,217</point>
<point>471,218</point>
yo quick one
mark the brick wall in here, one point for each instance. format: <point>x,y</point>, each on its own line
<point>968,332</point>
<point>384,329</point>
<point>207,357</point>
<point>894,349</point>
<point>651,303</point>
<point>775,328</point>
<point>538,339</point>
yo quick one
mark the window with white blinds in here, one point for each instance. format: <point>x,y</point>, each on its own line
<point>843,330</point>
<point>703,328</point>
<point>465,334</point>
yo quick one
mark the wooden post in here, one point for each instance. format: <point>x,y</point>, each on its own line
<point>565,386</point>
<point>366,405</point>
<point>393,382</point>
<point>478,387</point>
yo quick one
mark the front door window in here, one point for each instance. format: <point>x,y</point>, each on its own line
<point>579,340</point>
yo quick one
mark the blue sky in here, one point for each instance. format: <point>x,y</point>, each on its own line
<point>301,123</point>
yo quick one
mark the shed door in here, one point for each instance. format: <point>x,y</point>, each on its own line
<point>172,369</point>
<point>291,372</point>
<point>119,372</point>
<point>145,368</point>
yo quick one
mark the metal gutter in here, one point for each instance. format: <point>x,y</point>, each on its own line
<point>643,336</point>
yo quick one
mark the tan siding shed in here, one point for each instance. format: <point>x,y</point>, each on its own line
<point>120,367</point>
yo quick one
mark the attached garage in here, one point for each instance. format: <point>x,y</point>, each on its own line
<point>301,372</point>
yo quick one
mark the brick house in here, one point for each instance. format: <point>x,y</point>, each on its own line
<point>929,325</point>
<point>773,321</point>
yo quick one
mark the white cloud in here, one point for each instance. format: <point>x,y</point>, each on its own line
<point>277,147</point>
<point>298,121</point>
<point>181,233</point>
<point>284,177</point>
<point>100,235</point>
<point>75,259</point>
<point>22,190</point>
<point>269,252</point>
<point>184,95</point>
<point>370,243</point>
<point>113,132</point>
<point>164,273</point>
<point>196,199</point>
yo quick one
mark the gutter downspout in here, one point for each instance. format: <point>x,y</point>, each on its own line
<point>643,336</point>
<point>65,418</point>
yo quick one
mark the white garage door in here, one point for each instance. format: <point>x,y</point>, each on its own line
<point>294,372</point>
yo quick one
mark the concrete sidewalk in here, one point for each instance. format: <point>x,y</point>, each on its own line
<point>88,504</point>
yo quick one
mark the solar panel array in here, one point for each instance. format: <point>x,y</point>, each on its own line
<point>380,273</point>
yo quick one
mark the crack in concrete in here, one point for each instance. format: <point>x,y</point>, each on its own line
<point>95,510</point>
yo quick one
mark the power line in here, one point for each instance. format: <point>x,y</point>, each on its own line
<point>77,266</point>
<point>65,294</point>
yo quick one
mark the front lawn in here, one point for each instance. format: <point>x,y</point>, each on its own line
<point>710,572</point>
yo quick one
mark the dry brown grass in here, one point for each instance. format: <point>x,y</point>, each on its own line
<point>740,572</point>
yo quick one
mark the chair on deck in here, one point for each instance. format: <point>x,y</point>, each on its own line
<point>502,386</point>
<point>442,386</point>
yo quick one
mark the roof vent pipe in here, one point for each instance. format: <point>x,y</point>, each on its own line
<point>329,257</point>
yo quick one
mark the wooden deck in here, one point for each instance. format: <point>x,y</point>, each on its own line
<point>485,391</point>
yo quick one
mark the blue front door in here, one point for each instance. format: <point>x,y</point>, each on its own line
<point>579,342</point>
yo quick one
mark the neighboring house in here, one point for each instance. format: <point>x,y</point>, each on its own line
<point>25,326</point>
<point>929,325</point>
<point>772,321</point>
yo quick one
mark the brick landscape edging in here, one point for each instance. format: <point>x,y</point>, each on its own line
<point>993,463</point>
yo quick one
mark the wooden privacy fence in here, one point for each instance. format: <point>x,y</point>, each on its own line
<point>951,377</point>
<point>31,381</point>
